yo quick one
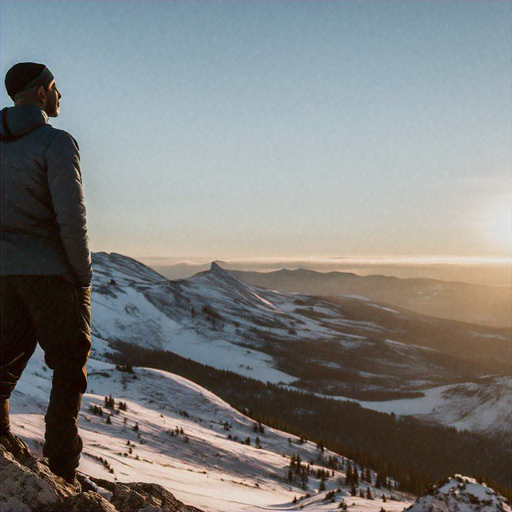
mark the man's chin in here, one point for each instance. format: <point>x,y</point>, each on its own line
<point>53,113</point>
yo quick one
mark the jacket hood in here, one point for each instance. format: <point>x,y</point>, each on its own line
<point>19,120</point>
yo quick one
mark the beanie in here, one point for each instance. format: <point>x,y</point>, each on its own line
<point>24,75</point>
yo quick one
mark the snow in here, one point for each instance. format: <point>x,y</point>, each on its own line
<point>481,407</point>
<point>460,493</point>
<point>143,308</point>
<point>201,467</point>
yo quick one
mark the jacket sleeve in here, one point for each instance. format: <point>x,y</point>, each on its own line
<point>65,182</point>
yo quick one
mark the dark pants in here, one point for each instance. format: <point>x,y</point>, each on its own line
<point>51,310</point>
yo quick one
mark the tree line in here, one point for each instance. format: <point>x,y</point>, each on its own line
<point>413,453</point>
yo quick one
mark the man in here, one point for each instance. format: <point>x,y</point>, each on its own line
<point>45,260</point>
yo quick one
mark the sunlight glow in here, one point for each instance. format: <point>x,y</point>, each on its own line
<point>497,225</point>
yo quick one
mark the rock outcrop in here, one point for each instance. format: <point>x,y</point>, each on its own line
<point>460,494</point>
<point>28,485</point>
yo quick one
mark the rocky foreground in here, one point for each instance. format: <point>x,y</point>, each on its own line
<point>29,485</point>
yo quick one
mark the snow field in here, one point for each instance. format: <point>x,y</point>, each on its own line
<point>182,443</point>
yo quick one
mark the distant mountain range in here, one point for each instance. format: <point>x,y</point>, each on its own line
<point>348,347</point>
<point>473,303</point>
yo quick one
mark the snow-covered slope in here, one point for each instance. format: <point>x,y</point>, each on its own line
<point>460,494</point>
<point>484,406</point>
<point>179,435</point>
<point>357,347</point>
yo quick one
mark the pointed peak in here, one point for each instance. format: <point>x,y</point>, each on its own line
<point>216,267</point>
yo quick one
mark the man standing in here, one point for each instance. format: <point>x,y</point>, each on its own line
<point>45,260</point>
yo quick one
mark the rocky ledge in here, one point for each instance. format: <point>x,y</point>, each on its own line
<point>29,485</point>
<point>460,494</point>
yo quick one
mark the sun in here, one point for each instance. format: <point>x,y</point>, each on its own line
<point>497,225</point>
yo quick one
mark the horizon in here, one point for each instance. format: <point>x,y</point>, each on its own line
<point>484,271</point>
<point>405,260</point>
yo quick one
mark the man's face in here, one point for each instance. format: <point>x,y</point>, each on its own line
<point>53,96</point>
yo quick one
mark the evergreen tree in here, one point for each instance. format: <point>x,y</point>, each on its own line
<point>349,480</point>
<point>109,402</point>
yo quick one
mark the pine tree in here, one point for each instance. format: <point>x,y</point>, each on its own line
<point>349,480</point>
<point>109,402</point>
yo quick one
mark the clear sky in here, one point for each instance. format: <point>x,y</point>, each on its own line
<point>239,129</point>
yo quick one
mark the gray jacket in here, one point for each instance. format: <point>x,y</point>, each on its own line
<point>43,212</point>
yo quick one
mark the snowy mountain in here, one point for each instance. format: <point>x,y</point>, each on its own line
<point>353,348</point>
<point>460,494</point>
<point>484,407</point>
<point>179,435</point>
<point>161,428</point>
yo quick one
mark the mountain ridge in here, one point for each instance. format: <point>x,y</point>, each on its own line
<point>218,320</point>
<point>455,300</point>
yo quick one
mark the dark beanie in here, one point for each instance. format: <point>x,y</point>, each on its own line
<point>24,75</point>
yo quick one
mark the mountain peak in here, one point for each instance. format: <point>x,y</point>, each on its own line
<point>215,267</point>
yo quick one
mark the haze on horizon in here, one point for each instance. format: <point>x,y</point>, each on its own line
<point>292,130</point>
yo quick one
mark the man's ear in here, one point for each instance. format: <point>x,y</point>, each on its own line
<point>41,94</point>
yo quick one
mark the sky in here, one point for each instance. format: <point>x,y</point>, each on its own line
<point>282,129</point>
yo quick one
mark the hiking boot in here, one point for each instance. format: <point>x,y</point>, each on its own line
<point>68,475</point>
<point>74,483</point>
